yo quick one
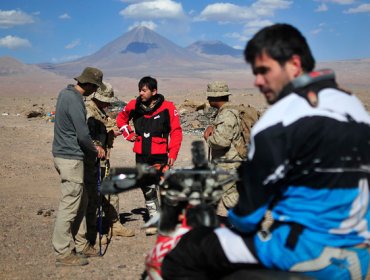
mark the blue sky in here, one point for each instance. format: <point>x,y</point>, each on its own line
<point>35,31</point>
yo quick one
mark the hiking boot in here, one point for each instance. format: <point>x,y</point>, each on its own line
<point>151,231</point>
<point>89,251</point>
<point>81,255</point>
<point>119,230</point>
<point>71,260</point>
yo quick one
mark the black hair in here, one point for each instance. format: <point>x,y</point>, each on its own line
<point>224,98</point>
<point>280,41</point>
<point>148,81</point>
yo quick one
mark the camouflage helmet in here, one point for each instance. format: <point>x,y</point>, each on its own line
<point>105,93</point>
<point>91,75</point>
<point>217,89</point>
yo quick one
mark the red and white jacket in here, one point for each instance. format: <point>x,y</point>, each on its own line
<point>152,128</point>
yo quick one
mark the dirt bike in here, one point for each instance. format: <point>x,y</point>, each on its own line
<point>189,199</point>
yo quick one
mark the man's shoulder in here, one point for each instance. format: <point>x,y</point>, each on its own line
<point>170,106</point>
<point>92,110</point>
<point>69,88</point>
<point>70,95</point>
<point>229,111</point>
<point>130,105</point>
<point>168,103</point>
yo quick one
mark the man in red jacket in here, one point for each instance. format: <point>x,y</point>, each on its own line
<point>157,136</point>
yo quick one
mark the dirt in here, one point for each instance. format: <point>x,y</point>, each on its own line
<point>29,198</point>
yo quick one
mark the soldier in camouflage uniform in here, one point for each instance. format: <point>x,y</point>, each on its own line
<point>103,131</point>
<point>222,135</point>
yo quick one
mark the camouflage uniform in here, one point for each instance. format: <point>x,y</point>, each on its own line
<point>101,129</point>
<point>222,141</point>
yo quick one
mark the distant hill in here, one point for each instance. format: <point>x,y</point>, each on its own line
<point>214,48</point>
<point>139,52</point>
<point>19,79</point>
<point>11,67</point>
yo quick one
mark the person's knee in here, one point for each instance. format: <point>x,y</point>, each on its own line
<point>187,258</point>
<point>149,193</point>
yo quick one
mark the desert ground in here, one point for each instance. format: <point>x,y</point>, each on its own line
<point>30,186</point>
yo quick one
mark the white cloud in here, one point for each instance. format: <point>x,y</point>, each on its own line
<point>73,44</point>
<point>364,8</point>
<point>254,26</point>
<point>340,2</point>
<point>64,16</point>
<point>238,47</point>
<point>268,7</point>
<point>135,1</point>
<point>227,12</point>
<point>148,24</point>
<point>237,36</point>
<point>156,9</point>
<point>322,8</point>
<point>65,58</point>
<point>13,18</point>
<point>251,28</point>
<point>316,31</point>
<point>13,42</point>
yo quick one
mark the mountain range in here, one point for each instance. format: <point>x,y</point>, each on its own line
<point>142,51</point>
<point>214,48</point>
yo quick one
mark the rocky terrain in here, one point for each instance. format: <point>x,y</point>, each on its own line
<point>29,184</point>
<point>30,189</point>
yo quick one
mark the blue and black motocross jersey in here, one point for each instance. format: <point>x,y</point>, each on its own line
<point>310,166</point>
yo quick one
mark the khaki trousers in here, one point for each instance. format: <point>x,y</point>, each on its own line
<point>70,224</point>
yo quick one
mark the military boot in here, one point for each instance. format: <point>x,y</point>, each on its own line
<point>119,230</point>
<point>71,259</point>
<point>153,208</point>
<point>90,251</point>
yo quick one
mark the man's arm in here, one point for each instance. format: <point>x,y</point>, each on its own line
<point>123,119</point>
<point>223,131</point>
<point>98,138</point>
<point>78,117</point>
<point>175,135</point>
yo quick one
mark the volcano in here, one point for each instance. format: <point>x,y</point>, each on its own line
<point>140,52</point>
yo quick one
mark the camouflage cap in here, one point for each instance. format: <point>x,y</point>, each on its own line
<point>217,89</point>
<point>105,93</point>
<point>91,75</point>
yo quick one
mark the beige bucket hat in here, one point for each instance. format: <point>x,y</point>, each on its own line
<point>217,89</point>
<point>105,93</point>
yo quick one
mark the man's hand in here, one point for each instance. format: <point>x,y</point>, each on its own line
<point>101,152</point>
<point>170,161</point>
<point>117,133</point>
<point>132,137</point>
<point>208,132</point>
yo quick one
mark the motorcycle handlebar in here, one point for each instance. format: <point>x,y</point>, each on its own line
<point>122,179</point>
